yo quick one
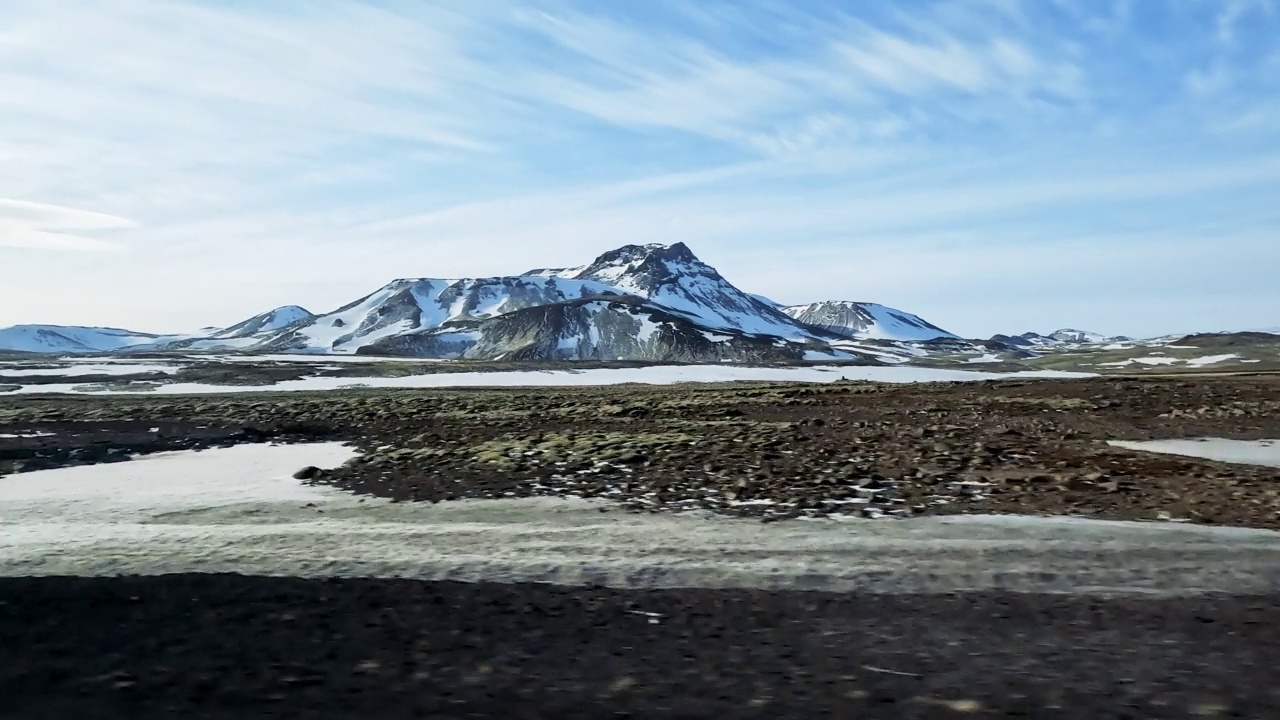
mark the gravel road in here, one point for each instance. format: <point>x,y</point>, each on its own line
<point>223,646</point>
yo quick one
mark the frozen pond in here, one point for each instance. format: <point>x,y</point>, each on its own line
<point>1245,452</point>
<point>239,510</point>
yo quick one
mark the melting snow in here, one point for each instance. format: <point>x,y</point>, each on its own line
<point>1244,452</point>
<point>238,510</point>
<point>1211,360</point>
<point>1161,360</point>
<point>1154,360</point>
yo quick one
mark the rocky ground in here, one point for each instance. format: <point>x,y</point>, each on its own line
<point>763,450</point>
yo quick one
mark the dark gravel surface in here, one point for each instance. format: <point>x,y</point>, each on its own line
<point>224,646</point>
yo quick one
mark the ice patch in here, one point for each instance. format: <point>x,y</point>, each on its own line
<point>1244,452</point>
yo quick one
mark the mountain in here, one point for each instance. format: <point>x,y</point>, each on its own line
<point>421,305</point>
<point>638,302</point>
<point>1079,337</point>
<point>244,335</point>
<point>1229,339</point>
<point>867,320</point>
<point>1063,337</point>
<point>673,277</point>
<point>278,319</point>
<point>611,327</point>
<point>70,339</point>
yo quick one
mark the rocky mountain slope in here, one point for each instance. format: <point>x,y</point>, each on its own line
<point>867,320</point>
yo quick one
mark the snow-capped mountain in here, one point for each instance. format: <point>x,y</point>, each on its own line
<point>641,302</point>
<point>415,306</point>
<point>1059,338</point>
<point>867,320</point>
<point>602,327</point>
<point>70,339</point>
<point>278,319</point>
<point>1080,337</point>
<point>674,278</point>
<point>244,335</point>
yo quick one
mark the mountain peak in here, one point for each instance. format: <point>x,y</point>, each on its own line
<point>270,321</point>
<point>644,269</point>
<point>676,252</point>
<point>672,276</point>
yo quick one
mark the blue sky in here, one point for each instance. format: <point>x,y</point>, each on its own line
<point>992,165</point>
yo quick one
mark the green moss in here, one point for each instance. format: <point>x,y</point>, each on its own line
<point>557,447</point>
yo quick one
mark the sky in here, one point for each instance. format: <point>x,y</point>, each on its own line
<point>991,165</point>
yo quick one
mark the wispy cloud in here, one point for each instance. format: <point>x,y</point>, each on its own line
<point>308,153</point>
<point>40,226</point>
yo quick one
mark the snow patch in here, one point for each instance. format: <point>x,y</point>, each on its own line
<point>238,510</point>
<point>121,368</point>
<point>1242,452</point>
<point>1211,360</point>
<point>653,375</point>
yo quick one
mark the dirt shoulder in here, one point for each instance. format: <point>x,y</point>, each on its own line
<point>227,646</point>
